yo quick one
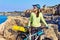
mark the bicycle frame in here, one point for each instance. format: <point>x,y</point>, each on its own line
<point>39,33</point>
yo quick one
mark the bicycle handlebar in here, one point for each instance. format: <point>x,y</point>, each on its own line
<point>44,28</point>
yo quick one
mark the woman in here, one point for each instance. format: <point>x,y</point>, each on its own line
<point>35,19</point>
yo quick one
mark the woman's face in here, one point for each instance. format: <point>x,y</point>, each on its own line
<point>34,7</point>
<point>35,10</point>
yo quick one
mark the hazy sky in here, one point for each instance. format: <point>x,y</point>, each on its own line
<point>19,5</point>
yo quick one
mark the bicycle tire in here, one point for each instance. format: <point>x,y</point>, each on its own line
<point>18,38</point>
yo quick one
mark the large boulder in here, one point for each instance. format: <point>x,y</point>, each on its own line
<point>2,39</point>
<point>9,23</point>
<point>51,32</point>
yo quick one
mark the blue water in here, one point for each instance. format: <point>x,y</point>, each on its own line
<point>3,19</point>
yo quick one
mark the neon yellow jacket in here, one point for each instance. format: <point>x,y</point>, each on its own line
<point>36,21</point>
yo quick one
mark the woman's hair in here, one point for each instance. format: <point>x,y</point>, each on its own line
<point>37,15</point>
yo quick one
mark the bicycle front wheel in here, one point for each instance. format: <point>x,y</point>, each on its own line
<point>18,38</point>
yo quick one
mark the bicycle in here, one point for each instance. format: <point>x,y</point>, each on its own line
<point>28,35</point>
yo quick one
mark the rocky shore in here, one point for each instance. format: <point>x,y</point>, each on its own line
<point>6,34</point>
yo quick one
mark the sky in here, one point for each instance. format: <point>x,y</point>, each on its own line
<point>21,5</point>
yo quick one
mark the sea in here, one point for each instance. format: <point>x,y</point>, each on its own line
<point>3,19</point>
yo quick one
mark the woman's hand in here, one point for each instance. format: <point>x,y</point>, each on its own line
<point>48,27</point>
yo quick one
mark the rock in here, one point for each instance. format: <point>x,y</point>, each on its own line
<point>22,21</point>
<point>2,39</point>
<point>9,23</point>
<point>59,35</point>
<point>50,33</point>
